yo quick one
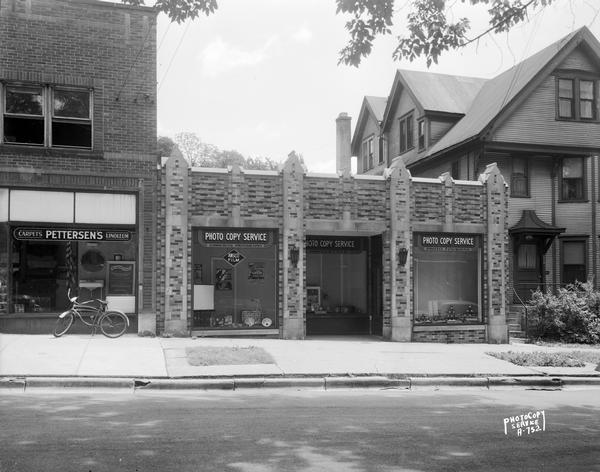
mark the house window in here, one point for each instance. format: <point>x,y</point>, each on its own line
<point>382,149</point>
<point>573,262</point>
<point>406,133</point>
<point>527,257</point>
<point>30,120</point>
<point>519,178</point>
<point>572,178</point>
<point>455,170</point>
<point>576,99</point>
<point>421,133</point>
<point>368,153</point>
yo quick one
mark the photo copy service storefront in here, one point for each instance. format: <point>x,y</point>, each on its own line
<point>343,285</point>
<point>447,279</point>
<point>234,277</point>
<point>69,242</point>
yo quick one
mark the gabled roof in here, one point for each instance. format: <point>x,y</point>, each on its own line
<point>374,106</point>
<point>454,94</point>
<point>498,93</point>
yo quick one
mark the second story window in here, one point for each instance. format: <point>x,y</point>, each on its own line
<point>24,115</point>
<point>406,133</point>
<point>368,153</point>
<point>421,134</point>
<point>576,99</point>
<point>519,179</point>
<point>572,179</point>
<point>47,116</point>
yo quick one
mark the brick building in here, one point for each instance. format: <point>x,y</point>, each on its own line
<point>77,158</point>
<point>289,253</point>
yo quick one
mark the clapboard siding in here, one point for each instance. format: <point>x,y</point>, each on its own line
<point>534,122</point>
<point>578,60</point>
<point>437,129</point>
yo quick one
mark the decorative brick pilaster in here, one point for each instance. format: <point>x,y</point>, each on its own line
<point>496,258</point>
<point>293,238</point>
<point>396,277</point>
<point>177,244</point>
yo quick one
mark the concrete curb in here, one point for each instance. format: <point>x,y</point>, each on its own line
<point>18,384</point>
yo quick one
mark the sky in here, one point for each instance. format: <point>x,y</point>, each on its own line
<point>261,76</point>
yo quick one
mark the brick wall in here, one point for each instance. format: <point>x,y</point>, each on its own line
<point>296,203</point>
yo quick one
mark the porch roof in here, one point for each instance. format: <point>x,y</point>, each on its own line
<point>530,223</point>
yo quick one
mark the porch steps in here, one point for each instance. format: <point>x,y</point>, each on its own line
<point>515,321</point>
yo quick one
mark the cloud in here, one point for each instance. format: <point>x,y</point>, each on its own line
<point>219,56</point>
<point>303,35</point>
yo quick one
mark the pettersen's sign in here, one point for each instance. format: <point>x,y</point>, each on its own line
<point>448,240</point>
<point>219,237</point>
<point>65,234</point>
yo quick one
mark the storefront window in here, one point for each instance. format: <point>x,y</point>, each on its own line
<point>49,262</point>
<point>234,276</point>
<point>447,278</point>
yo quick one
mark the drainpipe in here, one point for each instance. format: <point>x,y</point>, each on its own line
<point>594,160</point>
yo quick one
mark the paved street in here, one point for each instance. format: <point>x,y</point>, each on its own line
<point>301,431</point>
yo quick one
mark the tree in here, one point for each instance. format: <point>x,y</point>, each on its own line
<point>200,154</point>
<point>165,146</point>
<point>431,27</point>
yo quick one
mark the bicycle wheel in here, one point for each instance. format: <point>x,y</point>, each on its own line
<point>113,324</point>
<point>63,323</point>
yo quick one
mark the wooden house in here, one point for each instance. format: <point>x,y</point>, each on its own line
<point>539,121</point>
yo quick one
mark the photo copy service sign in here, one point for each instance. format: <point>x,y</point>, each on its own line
<point>448,241</point>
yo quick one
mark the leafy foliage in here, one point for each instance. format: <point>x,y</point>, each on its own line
<point>201,154</point>
<point>431,29</point>
<point>541,358</point>
<point>570,315</point>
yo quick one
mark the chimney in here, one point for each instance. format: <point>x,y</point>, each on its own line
<point>343,140</point>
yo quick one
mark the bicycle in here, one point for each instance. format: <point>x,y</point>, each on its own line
<point>112,323</point>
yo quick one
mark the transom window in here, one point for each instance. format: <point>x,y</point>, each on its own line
<point>406,133</point>
<point>47,116</point>
<point>572,179</point>
<point>577,99</point>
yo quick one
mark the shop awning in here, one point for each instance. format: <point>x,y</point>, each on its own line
<point>530,226</point>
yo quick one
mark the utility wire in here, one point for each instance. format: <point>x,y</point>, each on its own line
<point>174,54</point>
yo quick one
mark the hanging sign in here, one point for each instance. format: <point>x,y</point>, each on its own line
<point>121,278</point>
<point>69,234</point>
<point>235,237</point>
<point>233,257</point>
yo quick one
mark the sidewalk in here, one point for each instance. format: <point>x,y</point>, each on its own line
<point>157,360</point>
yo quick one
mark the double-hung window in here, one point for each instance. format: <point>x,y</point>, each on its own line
<point>47,116</point>
<point>572,179</point>
<point>574,261</point>
<point>421,134</point>
<point>519,185</point>
<point>368,153</point>
<point>577,99</point>
<point>406,133</point>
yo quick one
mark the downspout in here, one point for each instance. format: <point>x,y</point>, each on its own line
<point>553,196</point>
<point>594,160</point>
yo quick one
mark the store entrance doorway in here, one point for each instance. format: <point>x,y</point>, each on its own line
<point>343,285</point>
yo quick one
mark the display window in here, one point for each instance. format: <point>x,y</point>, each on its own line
<point>447,278</point>
<point>337,293</point>
<point>234,277</point>
<point>49,262</point>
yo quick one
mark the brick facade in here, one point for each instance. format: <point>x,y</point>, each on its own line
<point>297,204</point>
<point>108,49</point>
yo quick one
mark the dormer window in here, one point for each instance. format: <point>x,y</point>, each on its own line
<point>421,134</point>
<point>576,99</point>
<point>406,133</point>
<point>368,153</point>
